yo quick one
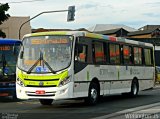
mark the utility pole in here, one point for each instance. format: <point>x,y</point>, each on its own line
<point>70,17</point>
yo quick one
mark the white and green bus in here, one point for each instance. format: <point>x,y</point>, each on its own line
<point>77,64</point>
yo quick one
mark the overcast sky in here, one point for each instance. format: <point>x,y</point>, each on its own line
<point>133,13</point>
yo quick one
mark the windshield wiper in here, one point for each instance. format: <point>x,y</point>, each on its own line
<point>39,60</point>
<point>50,68</point>
<point>32,67</point>
<point>46,63</point>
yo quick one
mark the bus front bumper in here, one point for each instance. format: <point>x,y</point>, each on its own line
<point>55,93</point>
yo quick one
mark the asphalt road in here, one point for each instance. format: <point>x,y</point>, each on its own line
<point>75,109</point>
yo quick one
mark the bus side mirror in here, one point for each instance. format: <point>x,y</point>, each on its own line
<point>21,55</point>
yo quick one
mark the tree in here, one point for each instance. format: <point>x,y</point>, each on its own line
<point>3,16</point>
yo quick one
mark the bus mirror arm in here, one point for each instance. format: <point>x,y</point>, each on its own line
<point>14,50</point>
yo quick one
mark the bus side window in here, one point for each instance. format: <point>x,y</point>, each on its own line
<point>114,53</point>
<point>99,54</point>
<point>147,56</point>
<point>131,55</point>
<point>137,56</point>
<point>127,55</point>
<point>81,53</point>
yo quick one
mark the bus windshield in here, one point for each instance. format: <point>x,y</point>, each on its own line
<point>8,58</point>
<point>42,54</point>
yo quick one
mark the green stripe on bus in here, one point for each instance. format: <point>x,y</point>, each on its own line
<point>91,35</point>
<point>49,33</point>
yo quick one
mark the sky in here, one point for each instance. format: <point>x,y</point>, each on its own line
<point>133,13</point>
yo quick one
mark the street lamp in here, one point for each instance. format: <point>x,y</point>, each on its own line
<point>70,9</point>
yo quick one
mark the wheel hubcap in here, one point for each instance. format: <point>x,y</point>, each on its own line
<point>134,89</point>
<point>93,94</point>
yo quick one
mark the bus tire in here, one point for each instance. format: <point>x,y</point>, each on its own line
<point>134,88</point>
<point>46,101</point>
<point>93,94</point>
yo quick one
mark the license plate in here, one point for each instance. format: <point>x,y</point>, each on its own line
<point>40,92</point>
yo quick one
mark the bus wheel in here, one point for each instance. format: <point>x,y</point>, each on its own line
<point>46,101</point>
<point>93,94</point>
<point>134,88</point>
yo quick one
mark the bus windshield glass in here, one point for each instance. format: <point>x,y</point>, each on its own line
<point>8,58</point>
<point>44,54</point>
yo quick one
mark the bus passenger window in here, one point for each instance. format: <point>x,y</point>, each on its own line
<point>137,55</point>
<point>147,56</point>
<point>127,55</point>
<point>99,52</point>
<point>114,52</point>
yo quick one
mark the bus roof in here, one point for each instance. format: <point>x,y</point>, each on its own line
<point>90,35</point>
<point>6,41</point>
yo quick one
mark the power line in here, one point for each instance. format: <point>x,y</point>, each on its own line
<point>25,1</point>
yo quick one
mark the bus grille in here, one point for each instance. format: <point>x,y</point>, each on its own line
<point>41,86</point>
<point>46,93</point>
<point>41,80</point>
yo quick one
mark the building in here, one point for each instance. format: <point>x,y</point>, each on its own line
<point>11,27</point>
<point>147,33</point>
<point>119,32</point>
<point>147,27</point>
<point>105,27</point>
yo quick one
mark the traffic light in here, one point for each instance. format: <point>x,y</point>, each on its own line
<point>71,13</point>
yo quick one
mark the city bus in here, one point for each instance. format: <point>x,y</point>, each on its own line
<point>78,64</point>
<point>9,49</point>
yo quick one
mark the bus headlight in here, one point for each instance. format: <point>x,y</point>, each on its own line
<point>20,82</point>
<point>64,81</point>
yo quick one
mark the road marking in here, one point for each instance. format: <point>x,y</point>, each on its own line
<point>121,114</point>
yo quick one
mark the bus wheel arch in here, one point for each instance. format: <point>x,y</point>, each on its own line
<point>134,87</point>
<point>93,92</point>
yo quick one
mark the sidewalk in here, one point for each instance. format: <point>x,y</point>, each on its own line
<point>151,111</point>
